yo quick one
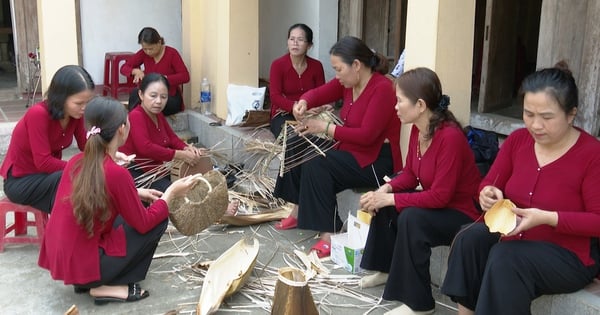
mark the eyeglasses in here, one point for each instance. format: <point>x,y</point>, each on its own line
<point>297,39</point>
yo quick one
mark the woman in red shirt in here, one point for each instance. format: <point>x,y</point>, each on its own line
<point>551,172</point>
<point>157,57</point>
<point>33,165</point>
<point>293,74</point>
<point>100,237</point>
<point>427,203</point>
<point>152,139</point>
<point>368,142</point>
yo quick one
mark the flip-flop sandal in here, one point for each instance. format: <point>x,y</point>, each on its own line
<point>135,294</point>
<point>287,223</point>
<point>79,290</point>
<point>322,248</point>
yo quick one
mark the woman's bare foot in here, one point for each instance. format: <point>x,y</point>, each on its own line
<point>232,208</point>
<point>118,291</point>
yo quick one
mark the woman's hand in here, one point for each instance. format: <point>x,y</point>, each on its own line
<point>179,188</point>
<point>299,109</point>
<point>488,197</point>
<point>149,195</point>
<point>311,126</point>
<point>198,152</point>
<point>374,200</point>
<point>138,75</point>
<point>122,159</point>
<point>320,109</point>
<point>187,156</point>
<point>531,217</point>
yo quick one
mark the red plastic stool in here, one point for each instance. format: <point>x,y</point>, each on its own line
<point>112,64</point>
<point>20,224</point>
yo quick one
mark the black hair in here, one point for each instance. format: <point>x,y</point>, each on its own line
<point>146,81</point>
<point>558,82</point>
<point>308,33</point>
<point>423,83</point>
<point>68,80</point>
<point>150,35</point>
<point>350,48</point>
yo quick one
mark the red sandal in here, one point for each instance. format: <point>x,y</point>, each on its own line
<point>322,248</point>
<point>287,223</point>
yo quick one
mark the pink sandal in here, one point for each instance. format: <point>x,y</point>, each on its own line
<point>322,248</point>
<point>287,223</point>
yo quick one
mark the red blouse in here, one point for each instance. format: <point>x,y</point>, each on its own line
<point>171,64</point>
<point>150,141</point>
<point>286,86</point>
<point>569,186</point>
<point>446,171</point>
<point>67,250</point>
<point>369,120</point>
<point>37,142</point>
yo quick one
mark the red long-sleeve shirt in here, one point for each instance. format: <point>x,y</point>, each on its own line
<point>569,186</point>
<point>150,141</point>
<point>368,121</point>
<point>286,86</point>
<point>67,250</point>
<point>446,171</point>
<point>37,142</point>
<point>171,64</point>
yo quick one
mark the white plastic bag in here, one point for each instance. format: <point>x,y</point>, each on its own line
<point>241,98</point>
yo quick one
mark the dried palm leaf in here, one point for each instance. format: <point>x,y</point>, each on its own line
<point>227,274</point>
<point>500,217</point>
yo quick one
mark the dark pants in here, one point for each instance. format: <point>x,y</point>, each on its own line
<point>400,244</point>
<point>174,102</point>
<point>133,267</point>
<point>36,190</point>
<point>314,184</point>
<point>160,184</point>
<point>278,121</point>
<point>493,277</point>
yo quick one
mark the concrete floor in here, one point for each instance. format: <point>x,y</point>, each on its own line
<point>175,286</point>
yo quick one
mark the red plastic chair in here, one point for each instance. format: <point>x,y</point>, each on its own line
<point>112,64</point>
<point>19,227</point>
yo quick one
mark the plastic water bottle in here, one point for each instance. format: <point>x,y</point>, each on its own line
<point>205,97</point>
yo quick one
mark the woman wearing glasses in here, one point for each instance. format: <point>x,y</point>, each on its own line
<point>293,74</point>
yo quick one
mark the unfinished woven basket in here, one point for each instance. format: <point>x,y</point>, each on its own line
<point>202,206</point>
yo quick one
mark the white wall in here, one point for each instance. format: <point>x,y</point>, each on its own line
<point>276,16</point>
<point>113,25</point>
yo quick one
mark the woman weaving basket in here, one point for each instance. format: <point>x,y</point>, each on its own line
<point>152,139</point>
<point>100,237</point>
<point>367,142</point>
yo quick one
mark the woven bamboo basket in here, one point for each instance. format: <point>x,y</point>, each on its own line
<point>204,204</point>
<point>181,169</point>
<point>292,294</point>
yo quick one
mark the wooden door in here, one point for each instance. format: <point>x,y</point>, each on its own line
<point>499,54</point>
<point>26,40</point>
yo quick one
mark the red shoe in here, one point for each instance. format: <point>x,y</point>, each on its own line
<point>287,223</point>
<point>322,248</point>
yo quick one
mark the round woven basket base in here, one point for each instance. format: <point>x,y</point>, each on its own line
<point>201,209</point>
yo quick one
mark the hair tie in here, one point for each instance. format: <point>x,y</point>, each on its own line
<point>444,102</point>
<point>93,131</point>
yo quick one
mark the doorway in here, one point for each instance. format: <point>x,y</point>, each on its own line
<point>8,69</point>
<point>504,53</point>
<point>381,24</point>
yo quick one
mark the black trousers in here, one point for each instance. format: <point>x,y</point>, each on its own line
<point>278,121</point>
<point>160,184</point>
<point>400,244</point>
<point>493,277</point>
<point>173,102</point>
<point>134,266</point>
<point>314,184</point>
<point>36,190</point>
